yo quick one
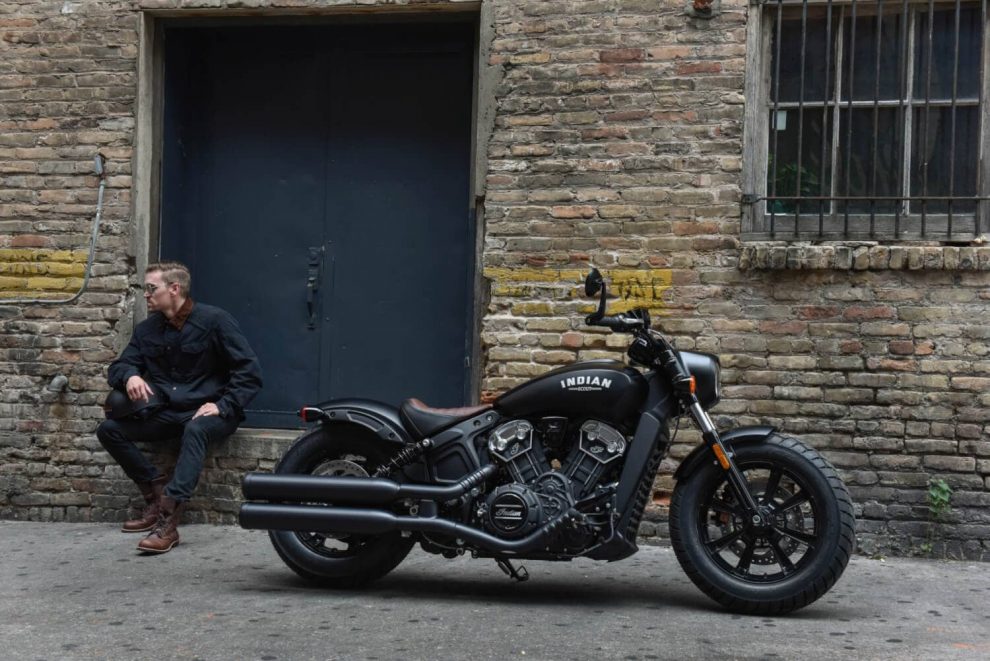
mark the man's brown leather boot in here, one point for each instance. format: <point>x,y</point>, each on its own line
<point>166,532</point>
<point>152,492</point>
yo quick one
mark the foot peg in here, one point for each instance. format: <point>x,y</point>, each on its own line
<point>519,574</point>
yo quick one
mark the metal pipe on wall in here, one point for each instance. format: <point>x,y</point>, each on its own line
<point>99,165</point>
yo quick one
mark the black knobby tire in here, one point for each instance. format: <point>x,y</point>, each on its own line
<point>775,568</point>
<point>345,561</point>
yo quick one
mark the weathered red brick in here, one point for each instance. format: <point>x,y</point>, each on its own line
<point>860,312</point>
<point>606,133</point>
<point>573,211</point>
<point>623,55</point>
<point>890,364</point>
<point>668,53</point>
<point>818,311</point>
<point>901,347</point>
<point>30,241</point>
<point>626,115</point>
<point>572,340</point>
<point>676,116</point>
<point>783,327</point>
<point>693,68</point>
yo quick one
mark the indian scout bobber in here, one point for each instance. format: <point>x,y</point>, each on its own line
<point>557,468</point>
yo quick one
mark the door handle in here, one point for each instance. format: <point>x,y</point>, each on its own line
<point>313,283</point>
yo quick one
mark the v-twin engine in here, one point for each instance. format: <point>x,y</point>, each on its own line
<point>538,493</point>
<point>516,445</point>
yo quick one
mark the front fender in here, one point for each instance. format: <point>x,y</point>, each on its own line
<point>731,439</point>
<point>382,419</point>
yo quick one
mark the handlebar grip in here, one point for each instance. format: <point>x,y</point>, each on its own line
<point>615,322</point>
<point>621,322</point>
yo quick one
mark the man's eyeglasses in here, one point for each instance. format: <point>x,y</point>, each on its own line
<point>150,289</point>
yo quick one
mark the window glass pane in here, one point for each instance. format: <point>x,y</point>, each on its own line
<point>813,178</point>
<point>943,50</point>
<point>937,150</point>
<point>814,60</point>
<point>878,62</point>
<point>860,56</point>
<point>856,159</point>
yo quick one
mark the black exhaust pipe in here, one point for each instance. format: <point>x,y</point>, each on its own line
<point>305,518</point>
<point>352,490</point>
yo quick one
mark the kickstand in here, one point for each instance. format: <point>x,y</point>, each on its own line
<point>519,574</point>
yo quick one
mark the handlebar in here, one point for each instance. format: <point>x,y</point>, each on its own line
<point>638,319</point>
<point>619,322</point>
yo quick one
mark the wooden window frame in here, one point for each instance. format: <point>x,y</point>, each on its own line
<point>758,224</point>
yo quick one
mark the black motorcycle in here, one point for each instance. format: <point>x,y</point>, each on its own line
<point>558,468</point>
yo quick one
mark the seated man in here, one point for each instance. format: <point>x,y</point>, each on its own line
<point>196,359</point>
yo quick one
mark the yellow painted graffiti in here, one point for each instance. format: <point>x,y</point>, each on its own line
<point>8,255</point>
<point>42,268</point>
<point>40,273</point>
<point>531,275</point>
<point>35,294</point>
<point>628,288</point>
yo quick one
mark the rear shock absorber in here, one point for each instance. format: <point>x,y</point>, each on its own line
<point>404,457</point>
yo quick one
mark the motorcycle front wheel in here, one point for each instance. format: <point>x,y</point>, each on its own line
<point>791,560</point>
<point>326,559</point>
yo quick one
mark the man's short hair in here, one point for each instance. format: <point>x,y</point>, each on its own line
<point>176,272</point>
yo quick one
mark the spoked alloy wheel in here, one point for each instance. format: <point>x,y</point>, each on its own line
<point>761,553</point>
<point>328,544</point>
<point>782,563</point>
<point>329,560</point>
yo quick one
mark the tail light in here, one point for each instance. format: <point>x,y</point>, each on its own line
<point>312,414</point>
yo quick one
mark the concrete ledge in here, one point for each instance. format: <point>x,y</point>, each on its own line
<point>779,256</point>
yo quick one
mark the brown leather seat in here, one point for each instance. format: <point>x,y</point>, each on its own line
<point>423,420</point>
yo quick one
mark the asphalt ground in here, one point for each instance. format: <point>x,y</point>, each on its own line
<point>81,591</point>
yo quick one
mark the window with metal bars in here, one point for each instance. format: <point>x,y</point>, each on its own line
<point>867,121</point>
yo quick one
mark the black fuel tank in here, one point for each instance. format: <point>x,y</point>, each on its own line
<point>602,389</point>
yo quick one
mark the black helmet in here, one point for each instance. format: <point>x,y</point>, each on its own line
<point>119,406</point>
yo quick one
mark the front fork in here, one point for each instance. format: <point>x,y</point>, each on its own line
<point>684,385</point>
<point>737,483</point>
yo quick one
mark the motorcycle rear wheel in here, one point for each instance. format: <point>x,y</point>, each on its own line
<point>337,561</point>
<point>779,567</point>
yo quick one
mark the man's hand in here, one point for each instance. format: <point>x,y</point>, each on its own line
<point>208,408</point>
<point>138,389</point>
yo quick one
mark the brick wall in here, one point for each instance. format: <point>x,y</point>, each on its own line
<point>66,91</point>
<point>617,141</point>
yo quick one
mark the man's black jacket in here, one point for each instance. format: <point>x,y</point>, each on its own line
<point>208,360</point>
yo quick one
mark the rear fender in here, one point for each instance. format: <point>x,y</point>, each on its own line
<point>732,439</point>
<point>381,419</point>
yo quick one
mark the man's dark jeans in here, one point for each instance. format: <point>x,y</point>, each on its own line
<point>118,436</point>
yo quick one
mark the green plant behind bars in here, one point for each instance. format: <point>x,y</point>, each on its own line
<point>787,185</point>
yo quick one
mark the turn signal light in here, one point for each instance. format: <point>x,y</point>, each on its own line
<point>720,455</point>
<point>692,384</point>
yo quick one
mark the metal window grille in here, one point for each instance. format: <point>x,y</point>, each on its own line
<point>870,121</point>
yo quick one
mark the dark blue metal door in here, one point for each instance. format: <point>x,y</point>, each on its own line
<point>316,180</point>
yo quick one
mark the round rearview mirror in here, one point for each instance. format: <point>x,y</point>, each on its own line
<point>593,283</point>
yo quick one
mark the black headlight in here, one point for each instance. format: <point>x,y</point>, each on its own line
<point>705,368</point>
